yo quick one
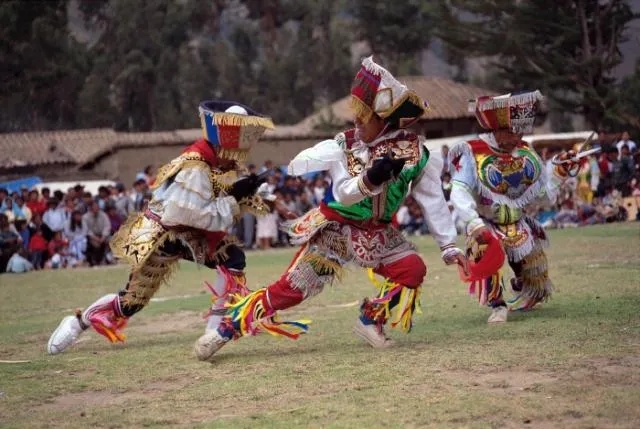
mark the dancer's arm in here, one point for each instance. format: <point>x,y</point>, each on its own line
<point>190,200</point>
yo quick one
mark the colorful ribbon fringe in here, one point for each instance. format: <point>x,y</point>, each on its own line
<point>408,303</point>
<point>251,315</point>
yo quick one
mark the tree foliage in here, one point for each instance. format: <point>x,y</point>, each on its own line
<point>568,49</point>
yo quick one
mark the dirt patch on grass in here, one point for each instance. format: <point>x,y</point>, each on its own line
<point>91,399</point>
<point>181,321</point>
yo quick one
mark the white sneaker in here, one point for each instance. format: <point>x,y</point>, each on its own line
<point>207,345</point>
<point>65,335</point>
<point>498,315</point>
<point>372,334</point>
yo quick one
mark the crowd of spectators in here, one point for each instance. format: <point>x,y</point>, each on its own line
<point>45,230</point>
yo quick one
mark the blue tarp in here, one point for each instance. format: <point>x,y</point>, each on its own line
<point>15,185</point>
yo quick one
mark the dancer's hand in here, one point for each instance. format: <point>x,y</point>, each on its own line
<point>567,167</point>
<point>455,256</point>
<point>384,169</point>
<point>245,187</point>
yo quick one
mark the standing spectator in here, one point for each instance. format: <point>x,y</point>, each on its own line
<point>146,175</point>
<point>447,186</point>
<point>4,194</point>
<point>268,165</point>
<point>319,189</point>
<point>303,204</point>
<point>26,212</point>
<point>37,249</point>
<point>35,204</point>
<point>85,203</point>
<point>623,171</point>
<point>53,218</point>
<point>46,195</point>
<point>626,141</point>
<point>76,231</point>
<point>124,204</point>
<point>137,196</point>
<point>98,226</point>
<point>444,150</point>
<point>103,197</point>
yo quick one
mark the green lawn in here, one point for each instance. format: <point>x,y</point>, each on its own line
<point>574,362</point>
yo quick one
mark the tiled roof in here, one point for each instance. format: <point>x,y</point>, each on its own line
<point>82,146</point>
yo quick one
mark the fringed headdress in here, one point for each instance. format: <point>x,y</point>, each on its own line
<point>232,127</point>
<point>514,112</point>
<point>376,91</point>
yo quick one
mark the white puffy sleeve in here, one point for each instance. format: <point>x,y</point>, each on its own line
<point>427,191</point>
<point>463,185</point>
<point>329,156</point>
<point>189,200</point>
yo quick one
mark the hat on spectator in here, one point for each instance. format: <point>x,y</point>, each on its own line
<point>232,127</point>
<point>376,91</point>
<point>515,112</point>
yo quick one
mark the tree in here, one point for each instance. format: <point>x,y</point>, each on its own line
<point>626,115</point>
<point>568,49</point>
<point>42,68</point>
<point>395,30</point>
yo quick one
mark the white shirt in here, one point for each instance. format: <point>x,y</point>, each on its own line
<point>630,143</point>
<point>54,219</point>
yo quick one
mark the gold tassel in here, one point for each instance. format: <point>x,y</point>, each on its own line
<point>236,120</point>
<point>321,264</point>
<point>239,155</point>
<point>361,110</point>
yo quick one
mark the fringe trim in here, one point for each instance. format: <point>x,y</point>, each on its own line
<point>254,205</point>
<point>233,119</point>
<point>235,288</point>
<point>239,155</point>
<point>409,302</point>
<point>502,102</point>
<point>252,315</point>
<point>489,289</point>
<point>360,109</point>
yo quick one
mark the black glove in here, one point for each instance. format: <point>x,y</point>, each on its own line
<point>246,186</point>
<point>384,169</point>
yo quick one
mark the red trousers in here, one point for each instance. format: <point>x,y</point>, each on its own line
<point>408,271</point>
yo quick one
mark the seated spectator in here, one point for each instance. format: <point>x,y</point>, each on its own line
<point>22,227</point>
<point>114,218</point>
<point>53,218</point>
<point>9,241</point>
<point>58,250</point>
<point>25,211</point>
<point>38,249</point>
<point>76,231</point>
<point>18,263</point>
<point>303,204</point>
<point>99,227</point>
<point>567,216</point>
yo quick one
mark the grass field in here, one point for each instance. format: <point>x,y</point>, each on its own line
<point>573,362</point>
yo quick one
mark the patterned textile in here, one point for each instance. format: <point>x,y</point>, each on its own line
<point>376,91</point>
<point>514,112</point>
<point>328,245</point>
<point>232,126</point>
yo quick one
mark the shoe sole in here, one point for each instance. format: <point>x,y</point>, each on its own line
<point>365,337</point>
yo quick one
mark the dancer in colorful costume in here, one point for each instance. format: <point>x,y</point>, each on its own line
<point>495,177</point>
<point>196,199</point>
<point>372,168</point>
